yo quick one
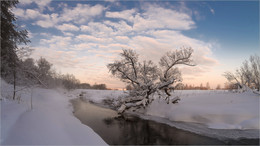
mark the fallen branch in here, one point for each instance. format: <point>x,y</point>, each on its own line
<point>123,107</point>
<point>37,78</point>
<point>175,99</point>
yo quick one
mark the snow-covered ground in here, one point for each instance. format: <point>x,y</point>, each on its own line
<point>216,109</point>
<point>234,114</point>
<point>51,122</point>
<point>97,96</point>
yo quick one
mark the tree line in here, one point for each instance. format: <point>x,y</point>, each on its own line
<point>187,87</point>
<point>43,70</point>
<point>192,87</point>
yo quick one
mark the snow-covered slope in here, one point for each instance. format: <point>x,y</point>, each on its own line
<point>51,122</point>
<point>215,109</point>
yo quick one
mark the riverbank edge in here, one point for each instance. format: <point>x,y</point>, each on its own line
<point>229,136</point>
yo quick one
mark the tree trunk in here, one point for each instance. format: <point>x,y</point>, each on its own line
<point>31,98</point>
<point>166,91</point>
<point>14,74</point>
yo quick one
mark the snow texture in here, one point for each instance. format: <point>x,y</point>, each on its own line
<point>221,114</point>
<point>97,96</point>
<point>51,122</point>
<point>214,109</point>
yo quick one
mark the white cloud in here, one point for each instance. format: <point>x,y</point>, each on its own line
<point>110,1</point>
<point>153,17</point>
<point>43,20</point>
<point>57,42</point>
<point>78,15</point>
<point>122,39</point>
<point>156,17</point>
<point>48,21</point>
<point>86,28</point>
<point>126,15</point>
<point>97,29</point>
<point>60,59</point>
<point>67,27</point>
<point>81,13</point>
<point>194,71</point>
<point>151,32</point>
<point>28,13</point>
<point>45,24</point>
<point>26,2</point>
<point>90,38</point>
<point>45,34</point>
<point>41,4</point>
<point>162,41</point>
<point>120,28</point>
<point>212,11</point>
<point>32,14</point>
<point>68,34</point>
<point>18,12</point>
<point>84,46</point>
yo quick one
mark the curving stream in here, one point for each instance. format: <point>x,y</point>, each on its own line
<point>132,131</point>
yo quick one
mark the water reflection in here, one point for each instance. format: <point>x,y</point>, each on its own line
<point>116,130</point>
<point>139,131</point>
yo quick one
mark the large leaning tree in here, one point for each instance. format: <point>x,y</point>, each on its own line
<point>146,78</point>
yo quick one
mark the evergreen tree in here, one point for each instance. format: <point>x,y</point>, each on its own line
<point>11,37</point>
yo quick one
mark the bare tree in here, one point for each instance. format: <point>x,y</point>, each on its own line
<point>43,68</point>
<point>99,86</point>
<point>232,78</point>
<point>247,76</point>
<point>207,86</point>
<point>218,87</point>
<point>255,67</point>
<point>129,87</point>
<point>146,78</point>
<point>245,73</point>
<point>69,81</point>
<point>201,86</point>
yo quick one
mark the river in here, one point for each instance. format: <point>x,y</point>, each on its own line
<point>116,130</point>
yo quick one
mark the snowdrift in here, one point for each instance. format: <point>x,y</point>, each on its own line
<point>50,122</point>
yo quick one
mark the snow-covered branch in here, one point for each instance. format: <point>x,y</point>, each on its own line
<point>146,78</point>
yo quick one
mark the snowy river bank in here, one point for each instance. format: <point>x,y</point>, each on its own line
<point>51,121</point>
<point>140,129</point>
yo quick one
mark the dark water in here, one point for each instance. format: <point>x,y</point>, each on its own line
<point>133,130</point>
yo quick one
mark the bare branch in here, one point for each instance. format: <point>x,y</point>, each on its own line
<point>37,78</point>
<point>146,78</point>
<point>176,57</point>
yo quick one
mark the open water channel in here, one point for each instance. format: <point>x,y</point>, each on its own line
<point>116,130</point>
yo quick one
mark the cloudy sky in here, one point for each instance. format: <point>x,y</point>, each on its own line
<point>81,37</point>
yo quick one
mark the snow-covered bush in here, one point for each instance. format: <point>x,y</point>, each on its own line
<point>147,78</point>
